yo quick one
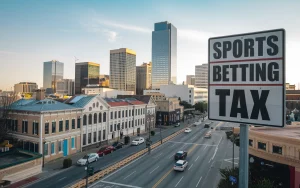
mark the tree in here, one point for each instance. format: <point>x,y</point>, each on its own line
<point>185,104</point>
<point>201,106</point>
<point>179,99</point>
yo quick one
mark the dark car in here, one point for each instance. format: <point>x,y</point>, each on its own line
<point>206,125</point>
<point>105,150</point>
<point>180,155</point>
<point>117,145</point>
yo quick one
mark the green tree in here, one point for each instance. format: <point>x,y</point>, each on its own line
<point>263,183</point>
<point>185,104</point>
<point>201,106</point>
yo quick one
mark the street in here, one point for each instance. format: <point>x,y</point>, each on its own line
<point>205,157</point>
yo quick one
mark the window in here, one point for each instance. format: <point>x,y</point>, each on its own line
<point>24,126</point>
<point>46,149</point>
<point>60,126</point>
<point>53,148</point>
<point>190,91</point>
<point>190,96</point>
<point>100,117</point>
<point>129,124</point>
<point>90,138</point>
<point>116,115</point>
<point>132,112</point>
<point>138,122</point>
<point>132,123</point>
<point>140,111</point>
<point>126,125</point>
<point>95,137</point>
<point>67,125</point>
<point>47,128</point>
<point>84,139</point>
<point>60,146</point>
<point>95,118</point>
<point>103,134</point>
<point>53,126</point>
<point>136,112</point>
<point>99,136</point>
<point>90,119</point>
<point>73,142</point>
<point>250,142</point>
<point>262,146</point>
<point>111,128</point>
<point>129,112</point>
<point>115,127</point>
<point>15,126</point>
<point>78,123</point>
<point>111,115</point>
<point>119,114</point>
<point>126,113</point>
<point>97,104</point>
<point>277,149</point>
<point>135,122</point>
<point>122,113</point>
<point>122,125</point>
<point>104,117</point>
<point>84,120</point>
<point>93,105</point>
<point>73,123</point>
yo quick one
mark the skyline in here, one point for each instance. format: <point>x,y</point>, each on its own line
<point>36,32</point>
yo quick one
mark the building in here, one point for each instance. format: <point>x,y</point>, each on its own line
<point>168,111</point>
<point>65,87</point>
<point>86,73</point>
<point>150,115</point>
<point>292,98</point>
<point>53,71</point>
<point>104,91</point>
<point>104,80</point>
<point>164,54</point>
<point>25,87</point>
<point>156,95</point>
<point>274,153</point>
<point>289,86</point>
<point>201,76</point>
<point>143,77</point>
<point>46,125</point>
<point>190,80</point>
<point>122,69</point>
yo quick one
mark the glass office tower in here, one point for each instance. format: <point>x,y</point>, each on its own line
<point>86,73</point>
<point>53,71</point>
<point>164,54</point>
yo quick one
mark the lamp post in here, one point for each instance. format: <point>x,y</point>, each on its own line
<point>159,120</point>
<point>87,172</point>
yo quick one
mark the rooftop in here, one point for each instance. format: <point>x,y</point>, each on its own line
<point>123,102</point>
<point>290,131</point>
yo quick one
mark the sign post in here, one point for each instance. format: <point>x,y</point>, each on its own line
<point>247,84</point>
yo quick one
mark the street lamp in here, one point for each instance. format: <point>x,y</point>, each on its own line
<point>87,172</point>
<point>159,120</point>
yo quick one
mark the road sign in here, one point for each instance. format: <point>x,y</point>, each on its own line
<point>232,179</point>
<point>247,78</point>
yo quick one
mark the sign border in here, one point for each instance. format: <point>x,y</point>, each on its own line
<point>284,80</point>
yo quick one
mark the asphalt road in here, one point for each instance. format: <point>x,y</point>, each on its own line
<point>75,173</point>
<point>205,156</point>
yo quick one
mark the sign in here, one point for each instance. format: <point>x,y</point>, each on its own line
<point>232,179</point>
<point>247,78</point>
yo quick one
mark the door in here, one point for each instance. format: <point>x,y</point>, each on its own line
<point>66,148</point>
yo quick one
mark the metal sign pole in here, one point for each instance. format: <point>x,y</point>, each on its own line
<point>244,156</point>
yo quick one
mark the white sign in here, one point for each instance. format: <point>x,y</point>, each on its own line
<point>247,78</point>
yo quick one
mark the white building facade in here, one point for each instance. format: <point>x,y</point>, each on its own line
<point>104,92</point>
<point>201,76</point>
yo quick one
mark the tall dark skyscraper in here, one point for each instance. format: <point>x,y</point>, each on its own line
<point>53,71</point>
<point>86,73</point>
<point>164,54</point>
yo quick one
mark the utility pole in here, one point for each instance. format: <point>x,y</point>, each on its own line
<point>87,172</point>
<point>233,148</point>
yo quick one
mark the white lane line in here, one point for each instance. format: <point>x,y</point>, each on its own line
<point>231,162</point>
<point>193,137</point>
<point>191,143</point>
<point>154,169</point>
<point>231,158</point>
<point>179,181</point>
<point>171,156</point>
<point>190,166</point>
<point>172,146</point>
<point>62,178</point>
<point>205,147</point>
<point>197,158</point>
<point>199,181</point>
<point>157,155</point>
<point>215,151</point>
<point>182,147</point>
<point>120,184</point>
<point>129,175</point>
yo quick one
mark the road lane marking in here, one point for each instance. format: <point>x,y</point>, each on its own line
<point>172,146</point>
<point>197,158</point>
<point>182,147</point>
<point>120,184</point>
<point>205,147</point>
<point>215,151</point>
<point>192,143</point>
<point>171,156</point>
<point>217,125</point>
<point>157,155</point>
<point>231,158</point>
<point>129,175</point>
<point>154,169</point>
<point>194,137</point>
<point>199,181</point>
<point>231,162</point>
<point>179,181</point>
<point>190,166</point>
<point>62,178</point>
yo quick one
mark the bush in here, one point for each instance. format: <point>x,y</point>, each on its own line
<point>152,133</point>
<point>67,163</point>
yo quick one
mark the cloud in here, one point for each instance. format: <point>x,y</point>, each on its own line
<point>124,26</point>
<point>112,35</point>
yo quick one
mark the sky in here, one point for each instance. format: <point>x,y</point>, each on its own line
<point>35,31</point>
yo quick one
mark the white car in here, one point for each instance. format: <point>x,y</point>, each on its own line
<point>180,165</point>
<point>188,130</point>
<point>138,141</point>
<point>91,156</point>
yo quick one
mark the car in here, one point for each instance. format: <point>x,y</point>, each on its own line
<point>138,141</point>
<point>206,125</point>
<point>91,157</point>
<point>180,165</point>
<point>180,155</point>
<point>177,125</point>
<point>117,145</point>
<point>188,130</point>
<point>105,150</point>
<point>208,135</point>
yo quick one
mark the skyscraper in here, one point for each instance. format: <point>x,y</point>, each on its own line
<point>53,71</point>
<point>164,54</point>
<point>190,80</point>
<point>201,76</point>
<point>122,69</point>
<point>86,73</point>
<point>143,77</point>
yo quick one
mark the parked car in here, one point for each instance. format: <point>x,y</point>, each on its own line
<point>180,155</point>
<point>177,125</point>
<point>105,150</point>
<point>180,165</point>
<point>188,130</point>
<point>138,141</point>
<point>91,157</point>
<point>117,145</point>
